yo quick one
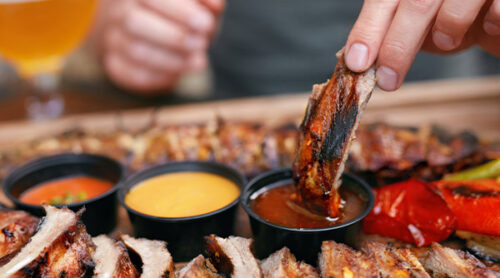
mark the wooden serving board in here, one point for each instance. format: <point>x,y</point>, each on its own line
<point>459,104</point>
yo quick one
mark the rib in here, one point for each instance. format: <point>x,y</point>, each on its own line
<point>111,259</point>
<point>16,228</point>
<point>395,262</point>
<point>156,260</point>
<point>233,257</point>
<point>339,260</point>
<point>52,226</point>
<point>282,264</point>
<point>199,267</point>
<point>443,262</point>
<point>331,118</point>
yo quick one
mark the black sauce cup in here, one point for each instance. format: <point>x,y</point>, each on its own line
<point>304,243</point>
<point>184,235</point>
<point>100,212</point>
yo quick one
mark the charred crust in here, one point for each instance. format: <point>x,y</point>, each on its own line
<point>217,257</point>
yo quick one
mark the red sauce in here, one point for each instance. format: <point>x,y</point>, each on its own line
<point>65,190</point>
<point>277,205</point>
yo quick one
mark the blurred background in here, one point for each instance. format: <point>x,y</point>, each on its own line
<point>258,48</point>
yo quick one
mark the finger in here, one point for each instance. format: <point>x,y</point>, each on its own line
<point>368,32</point>
<point>197,61</point>
<point>453,20</point>
<point>403,40</point>
<point>216,6</point>
<point>189,13</point>
<point>491,23</point>
<point>144,54</point>
<point>128,75</point>
<point>151,27</point>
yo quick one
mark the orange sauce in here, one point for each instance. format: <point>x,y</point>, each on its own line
<point>65,190</point>
<point>278,205</point>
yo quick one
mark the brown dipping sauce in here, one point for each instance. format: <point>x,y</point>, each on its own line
<point>278,205</point>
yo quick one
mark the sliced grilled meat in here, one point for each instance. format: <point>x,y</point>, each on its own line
<point>233,257</point>
<point>112,260</point>
<point>331,119</point>
<point>16,229</point>
<point>199,267</point>
<point>340,261</point>
<point>442,262</point>
<point>395,262</point>
<point>60,247</point>
<point>282,264</point>
<point>156,260</point>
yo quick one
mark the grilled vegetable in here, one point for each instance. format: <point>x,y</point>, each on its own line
<point>489,170</point>
<point>410,211</point>
<point>476,204</point>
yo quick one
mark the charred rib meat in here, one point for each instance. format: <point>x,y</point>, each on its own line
<point>156,260</point>
<point>339,260</point>
<point>331,118</point>
<point>16,229</point>
<point>111,259</point>
<point>282,264</point>
<point>233,257</point>
<point>199,267</point>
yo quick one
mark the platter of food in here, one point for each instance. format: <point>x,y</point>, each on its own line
<point>331,197</point>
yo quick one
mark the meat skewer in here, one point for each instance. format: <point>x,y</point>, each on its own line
<point>331,118</point>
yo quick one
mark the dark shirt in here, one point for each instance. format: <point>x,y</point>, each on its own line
<point>283,46</point>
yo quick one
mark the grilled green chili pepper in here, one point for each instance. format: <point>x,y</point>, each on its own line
<point>490,170</point>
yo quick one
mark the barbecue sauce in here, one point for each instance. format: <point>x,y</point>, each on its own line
<point>279,205</point>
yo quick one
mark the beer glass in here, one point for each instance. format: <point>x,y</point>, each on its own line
<point>35,37</point>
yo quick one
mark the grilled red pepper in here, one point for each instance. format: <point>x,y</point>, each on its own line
<point>475,203</point>
<point>411,211</point>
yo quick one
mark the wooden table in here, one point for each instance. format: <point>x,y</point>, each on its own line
<point>472,104</point>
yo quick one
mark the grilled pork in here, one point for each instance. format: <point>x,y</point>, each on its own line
<point>111,259</point>
<point>395,262</point>
<point>331,119</point>
<point>156,260</point>
<point>282,264</point>
<point>233,257</point>
<point>340,261</point>
<point>199,267</point>
<point>16,228</point>
<point>60,247</point>
<point>443,262</point>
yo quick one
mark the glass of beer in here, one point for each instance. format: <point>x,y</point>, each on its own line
<point>35,37</point>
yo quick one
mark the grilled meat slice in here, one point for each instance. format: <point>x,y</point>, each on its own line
<point>16,229</point>
<point>481,245</point>
<point>282,264</point>
<point>233,257</point>
<point>199,267</point>
<point>442,262</point>
<point>69,256</point>
<point>111,259</point>
<point>340,261</point>
<point>331,118</point>
<point>395,262</point>
<point>61,246</point>
<point>156,260</point>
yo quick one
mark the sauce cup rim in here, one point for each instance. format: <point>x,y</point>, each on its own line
<point>54,160</point>
<point>245,198</point>
<point>159,169</point>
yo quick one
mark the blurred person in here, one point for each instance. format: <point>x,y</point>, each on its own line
<point>274,46</point>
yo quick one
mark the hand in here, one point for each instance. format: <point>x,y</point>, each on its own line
<point>149,44</point>
<point>393,31</point>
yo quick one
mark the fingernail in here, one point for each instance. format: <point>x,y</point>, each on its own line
<point>491,28</point>
<point>443,41</point>
<point>387,79</point>
<point>357,57</point>
<point>195,43</point>
<point>201,21</point>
